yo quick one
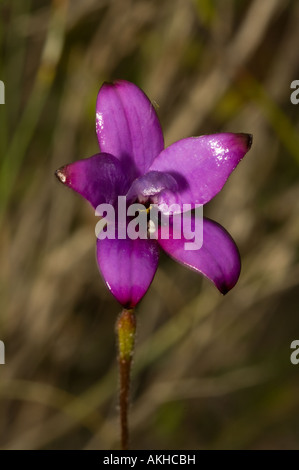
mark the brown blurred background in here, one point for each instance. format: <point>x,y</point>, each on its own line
<point>210,372</point>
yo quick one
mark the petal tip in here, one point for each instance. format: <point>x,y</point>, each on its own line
<point>115,84</point>
<point>225,287</point>
<point>250,139</point>
<point>247,139</point>
<point>121,81</point>
<point>61,174</point>
<point>106,86</point>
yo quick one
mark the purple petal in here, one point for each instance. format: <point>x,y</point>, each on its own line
<point>218,258</point>
<point>128,267</point>
<point>99,179</point>
<point>201,165</point>
<point>128,127</point>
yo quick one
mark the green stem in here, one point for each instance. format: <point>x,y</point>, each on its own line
<point>126,328</point>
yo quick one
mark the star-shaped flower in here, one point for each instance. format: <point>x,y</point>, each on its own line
<point>134,163</point>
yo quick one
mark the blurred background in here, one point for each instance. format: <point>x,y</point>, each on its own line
<point>210,372</point>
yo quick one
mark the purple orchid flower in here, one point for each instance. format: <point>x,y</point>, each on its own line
<point>134,163</point>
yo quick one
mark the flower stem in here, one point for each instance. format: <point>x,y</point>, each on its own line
<point>126,328</point>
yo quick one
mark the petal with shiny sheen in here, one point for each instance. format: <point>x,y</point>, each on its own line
<point>217,259</point>
<point>99,179</point>
<point>201,165</point>
<point>128,267</point>
<point>127,126</point>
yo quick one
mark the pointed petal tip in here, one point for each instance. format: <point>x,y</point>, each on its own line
<point>107,84</point>
<point>250,139</point>
<point>61,174</point>
<point>225,288</point>
<point>247,139</point>
<point>115,83</point>
<point>120,81</point>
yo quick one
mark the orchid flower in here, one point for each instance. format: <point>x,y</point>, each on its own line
<point>134,163</point>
